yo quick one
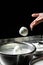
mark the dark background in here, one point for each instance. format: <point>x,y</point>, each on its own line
<point>17,14</point>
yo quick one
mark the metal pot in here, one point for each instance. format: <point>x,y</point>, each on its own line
<point>36,61</point>
<point>7,57</point>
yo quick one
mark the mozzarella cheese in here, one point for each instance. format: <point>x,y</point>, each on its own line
<point>23,31</point>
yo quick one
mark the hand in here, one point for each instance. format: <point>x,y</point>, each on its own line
<point>38,20</point>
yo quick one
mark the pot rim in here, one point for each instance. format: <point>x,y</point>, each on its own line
<point>23,53</point>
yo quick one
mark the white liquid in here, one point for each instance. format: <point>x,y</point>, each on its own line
<point>17,51</point>
<point>21,51</point>
<point>39,63</point>
<point>23,31</point>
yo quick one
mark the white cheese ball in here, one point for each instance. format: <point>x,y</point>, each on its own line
<point>23,31</point>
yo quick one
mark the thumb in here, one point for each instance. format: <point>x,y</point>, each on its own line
<point>35,14</point>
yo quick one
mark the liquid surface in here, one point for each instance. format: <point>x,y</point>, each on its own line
<point>16,49</point>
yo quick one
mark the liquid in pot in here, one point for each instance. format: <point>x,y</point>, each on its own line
<point>13,48</point>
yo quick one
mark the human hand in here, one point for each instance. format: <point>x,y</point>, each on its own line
<point>38,20</point>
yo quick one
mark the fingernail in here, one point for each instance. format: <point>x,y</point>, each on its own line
<point>33,14</point>
<point>31,27</point>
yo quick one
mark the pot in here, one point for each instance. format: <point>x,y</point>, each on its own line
<point>36,61</point>
<point>16,53</point>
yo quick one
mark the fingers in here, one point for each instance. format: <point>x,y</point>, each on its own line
<point>35,15</point>
<point>38,20</point>
<point>35,22</point>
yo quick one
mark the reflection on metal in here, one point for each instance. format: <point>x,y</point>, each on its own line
<point>22,39</point>
<point>29,38</point>
<point>32,39</point>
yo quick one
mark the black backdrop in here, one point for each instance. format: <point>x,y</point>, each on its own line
<point>15,15</point>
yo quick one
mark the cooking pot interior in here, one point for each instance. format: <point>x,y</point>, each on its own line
<point>16,48</point>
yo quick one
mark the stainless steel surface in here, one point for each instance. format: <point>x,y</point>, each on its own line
<point>30,39</point>
<point>16,59</point>
<point>22,39</point>
<point>0,64</point>
<point>36,61</point>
